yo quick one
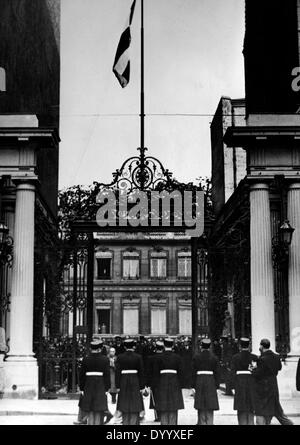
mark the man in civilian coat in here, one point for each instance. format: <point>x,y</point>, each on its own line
<point>267,404</point>
<point>206,381</point>
<point>94,382</point>
<point>112,365</point>
<point>130,381</point>
<point>243,383</point>
<point>186,355</point>
<point>227,354</point>
<point>119,345</point>
<point>153,377</point>
<point>169,393</point>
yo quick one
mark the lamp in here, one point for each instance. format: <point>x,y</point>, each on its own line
<point>3,234</point>
<point>286,233</point>
<point>280,245</point>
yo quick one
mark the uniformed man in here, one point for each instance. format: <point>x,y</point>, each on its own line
<point>243,383</point>
<point>153,377</point>
<point>206,381</point>
<point>130,381</point>
<point>94,381</point>
<point>169,393</point>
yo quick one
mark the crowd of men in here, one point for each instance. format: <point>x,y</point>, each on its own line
<point>224,349</point>
<point>128,373</point>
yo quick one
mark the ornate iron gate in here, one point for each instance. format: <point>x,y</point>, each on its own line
<point>60,350</point>
<point>200,291</point>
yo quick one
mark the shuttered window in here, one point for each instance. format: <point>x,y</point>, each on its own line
<point>184,265</point>
<point>158,264</point>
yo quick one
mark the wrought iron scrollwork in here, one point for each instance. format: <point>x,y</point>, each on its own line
<point>66,303</point>
<point>6,252</point>
<point>202,257</point>
<point>141,173</point>
<point>58,359</point>
<point>67,295</point>
<point>5,303</point>
<point>280,254</point>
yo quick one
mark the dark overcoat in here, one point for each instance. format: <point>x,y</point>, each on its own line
<point>130,399</point>
<point>153,377</point>
<point>206,397</point>
<point>169,394</point>
<point>186,355</point>
<point>265,384</point>
<point>243,384</point>
<point>298,377</point>
<point>94,387</point>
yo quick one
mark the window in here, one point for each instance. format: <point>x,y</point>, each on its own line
<point>130,320</point>
<point>131,265</point>
<point>104,268</point>
<point>103,321</point>
<point>158,265</point>
<point>185,321</point>
<point>158,320</point>
<point>184,265</point>
<point>104,265</point>
<point>2,80</point>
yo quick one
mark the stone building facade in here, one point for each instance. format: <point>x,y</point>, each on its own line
<point>228,163</point>
<point>142,286</point>
<point>29,149</point>
<point>261,272</point>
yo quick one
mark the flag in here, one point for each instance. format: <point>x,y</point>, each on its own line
<point>121,66</point>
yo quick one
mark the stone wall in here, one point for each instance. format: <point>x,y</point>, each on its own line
<point>228,163</point>
<point>115,292</point>
<point>29,54</point>
<point>168,294</point>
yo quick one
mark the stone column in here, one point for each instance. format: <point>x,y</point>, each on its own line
<point>286,378</point>
<point>21,366</point>
<point>294,268</point>
<point>262,284</point>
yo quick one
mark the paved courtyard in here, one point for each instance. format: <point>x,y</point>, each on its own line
<point>64,412</point>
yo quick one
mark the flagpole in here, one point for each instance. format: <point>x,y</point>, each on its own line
<point>142,115</point>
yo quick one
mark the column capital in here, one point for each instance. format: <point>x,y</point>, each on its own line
<point>23,185</point>
<point>294,185</point>
<point>259,186</point>
<point>29,179</point>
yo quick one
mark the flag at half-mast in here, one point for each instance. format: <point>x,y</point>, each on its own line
<point>121,66</point>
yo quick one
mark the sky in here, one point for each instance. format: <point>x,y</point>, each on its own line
<point>193,56</point>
